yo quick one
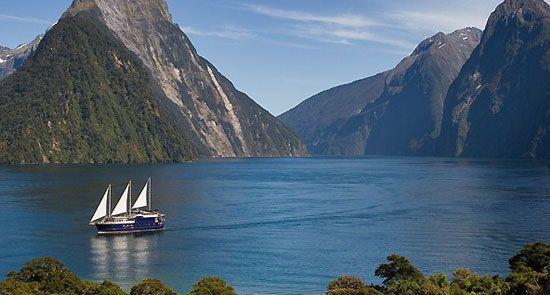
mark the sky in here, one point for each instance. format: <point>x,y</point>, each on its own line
<point>281,52</point>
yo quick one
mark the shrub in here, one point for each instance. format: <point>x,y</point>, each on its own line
<point>349,285</point>
<point>151,287</point>
<point>105,288</point>
<point>212,286</point>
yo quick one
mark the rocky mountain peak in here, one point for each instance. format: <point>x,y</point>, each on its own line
<point>522,13</point>
<point>467,36</point>
<point>469,32</point>
<point>518,6</point>
<point>426,44</point>
<point>117,11</point>
<point>456,46</point>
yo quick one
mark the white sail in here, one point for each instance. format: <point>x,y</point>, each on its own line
<point>142,199</point>
<point>122,205</point>
<point>101,210</point>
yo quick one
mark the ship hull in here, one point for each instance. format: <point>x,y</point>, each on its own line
<point>131,225</point>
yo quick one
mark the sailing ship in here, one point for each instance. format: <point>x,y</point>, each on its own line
<point>125,218</point>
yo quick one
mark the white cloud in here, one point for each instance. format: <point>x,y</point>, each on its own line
<point>436,20</point>
<point>24,19</point>
<point>337,28</point>
<point>226,32</point>
<point>346,35</point>
<point>350,20</point>
<point>397,26</point>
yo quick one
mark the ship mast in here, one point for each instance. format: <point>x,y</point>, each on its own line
<point>130,198</point>
<point>109,202</point>
<point>150,191</point>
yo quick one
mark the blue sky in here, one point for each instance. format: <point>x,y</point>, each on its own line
<point>281,52</point>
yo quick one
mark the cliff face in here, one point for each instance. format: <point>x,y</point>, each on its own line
<point>395,112</point>
<point>13,59</point>
<point>499,106</point>
<point>224,121</point>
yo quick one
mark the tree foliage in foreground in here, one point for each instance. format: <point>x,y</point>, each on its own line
<point>530,275</point>
<point>151,287</point>
<point>212,285</point>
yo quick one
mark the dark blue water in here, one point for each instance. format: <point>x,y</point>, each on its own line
<point>276,226</point>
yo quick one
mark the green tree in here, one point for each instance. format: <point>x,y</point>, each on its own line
<point>349,285</point>
<point>105,288</point>
<point>530,270</point>
<point>52,277</point>
<point>14,287</point>
<point>151,287</point>
<point>398,268</point>
<point>469,282</point>
<point>212,286</point>
<point>48,276</point>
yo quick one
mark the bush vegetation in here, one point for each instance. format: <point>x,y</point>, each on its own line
<point>530,275</point>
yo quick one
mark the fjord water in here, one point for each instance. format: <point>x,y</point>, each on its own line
<point>280,226</point>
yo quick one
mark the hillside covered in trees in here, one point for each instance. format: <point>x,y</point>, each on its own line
<point>530,274</point>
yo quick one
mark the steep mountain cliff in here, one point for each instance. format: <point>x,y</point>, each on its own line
<point>118,81</point>
<point>12,59</point>
<point>499,106</point>
<point>395,112</point>
<point>225,121</point>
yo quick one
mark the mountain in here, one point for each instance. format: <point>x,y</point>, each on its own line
<point>118,81</point>
<point>83,97</point>
<point>319,118</point>
<point>12,59</point>
<point>223,120</point>
<point>499,106</point>
<point>411,108</point>
<point>394,112</point>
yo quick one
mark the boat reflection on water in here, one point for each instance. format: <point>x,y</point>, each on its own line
<point>123,258</point>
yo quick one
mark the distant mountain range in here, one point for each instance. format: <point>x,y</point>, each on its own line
<point>12,59</point>
<point>461,94</point>
<point>118,81</point>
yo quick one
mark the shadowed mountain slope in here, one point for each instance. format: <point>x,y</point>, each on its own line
<point>499,106</point>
